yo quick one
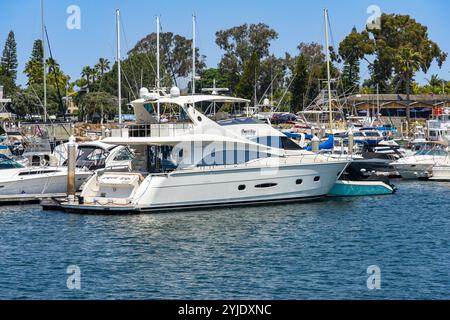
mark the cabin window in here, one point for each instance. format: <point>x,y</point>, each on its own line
<point>199,119</point>
<point>32,173</point>
<point>266,185</point>
<point>124,155</point>
<point>242,187</point>
<point>277,142</point>
<point>316,179</point>
<point>299,182</point>
<point>6,163</point>
<point>149,107</point>
<point>231,157</point>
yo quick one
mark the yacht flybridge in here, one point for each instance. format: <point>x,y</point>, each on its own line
<point>227,163</point>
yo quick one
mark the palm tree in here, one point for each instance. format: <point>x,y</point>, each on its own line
<point>94,74</point>
<point>86,73</point>
<point>103,66</point>
<point>409,62</point>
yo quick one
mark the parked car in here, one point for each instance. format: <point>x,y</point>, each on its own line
<point>279,118</point>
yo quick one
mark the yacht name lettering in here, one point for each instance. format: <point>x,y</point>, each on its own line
<point>248,133</point>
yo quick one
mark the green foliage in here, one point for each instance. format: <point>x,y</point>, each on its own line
<point>299,85</point>
<point>246,86</point>
<point>8,64</point>
<point>351,50</point>
<point>209,75</point>
<point>240,44</point>
<point>400,37</point>
<point>95,104</point>
<point>34,68</point>
<point>175,55</point>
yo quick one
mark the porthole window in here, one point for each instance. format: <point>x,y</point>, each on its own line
<point>266,185</point>
<point>316,179</point>
<point>199,119</point>
<point>242,187</point>
<point>299,181</point>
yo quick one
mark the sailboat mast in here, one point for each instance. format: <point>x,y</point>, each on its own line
<point>330,103</point>
<point>158,75</point>
<point>119,69</point>
<point>193,53</point>
<point>44,62</point>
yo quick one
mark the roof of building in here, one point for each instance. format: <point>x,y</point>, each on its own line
<point>430,98</point>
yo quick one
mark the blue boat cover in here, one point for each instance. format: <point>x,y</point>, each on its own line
<point>327,145</point>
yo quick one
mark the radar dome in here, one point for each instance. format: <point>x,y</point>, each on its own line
<point>175,92</point>
<point>143,92</point>
<point>266,102</point>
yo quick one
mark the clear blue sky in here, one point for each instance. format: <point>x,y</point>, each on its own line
<point>294,20</point>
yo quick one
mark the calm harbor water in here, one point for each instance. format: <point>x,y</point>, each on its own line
<point>303,251</point>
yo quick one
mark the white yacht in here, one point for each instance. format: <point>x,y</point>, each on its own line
<point>420,165</point>
<point>233,162</point>
<point>20,183</point>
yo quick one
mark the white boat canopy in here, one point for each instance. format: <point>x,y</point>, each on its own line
<point>192,99</point>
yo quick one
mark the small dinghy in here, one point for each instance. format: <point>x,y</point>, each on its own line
<point>355,183</point>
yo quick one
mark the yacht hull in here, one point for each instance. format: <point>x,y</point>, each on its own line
<point>219,188</point>
<point>412,171</point>
<point>360,188</point>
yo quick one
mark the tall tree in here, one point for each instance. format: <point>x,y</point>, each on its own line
<point>8,64</point>
<point>246,86</point>
<point>103,66</point>
<point>351,50</point>
<point>175,54</point>
<point>239,44</point>
<point>382,47</point>
<point>34,67</point>
<point>299,85</point>
<point>87,74</point>
<point>408,62</point>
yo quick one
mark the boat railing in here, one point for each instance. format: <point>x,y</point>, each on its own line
<point>152,130</point>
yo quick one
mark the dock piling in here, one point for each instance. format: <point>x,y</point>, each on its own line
<point>351,142</point>
<point>315,144</point>
<point>71,166</point>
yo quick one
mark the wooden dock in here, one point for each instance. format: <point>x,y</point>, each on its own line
<point>29,198</point>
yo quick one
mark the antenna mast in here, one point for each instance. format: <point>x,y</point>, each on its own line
<point>330,103</point>
<point>44,62</point>
<point>193,53</point>
<point>119,70</point>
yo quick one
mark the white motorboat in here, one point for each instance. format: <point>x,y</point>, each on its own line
<point>441,171</point>
<point>420,165</point>
<point>234,162</point>
<point>19,183</point>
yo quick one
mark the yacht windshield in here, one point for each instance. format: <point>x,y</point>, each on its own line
<point>371,134</point>
<point>432,152</point>
<point>7,163</point>
<point>92,158</point>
